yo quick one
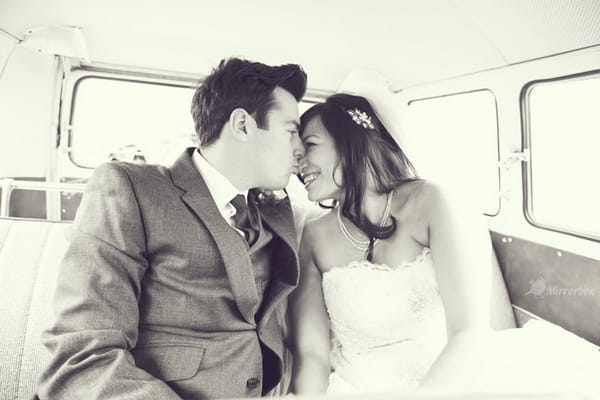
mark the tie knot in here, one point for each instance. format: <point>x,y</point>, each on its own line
<point>241,209</point>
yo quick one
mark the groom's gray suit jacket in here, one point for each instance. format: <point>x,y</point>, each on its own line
<point>156,295</point>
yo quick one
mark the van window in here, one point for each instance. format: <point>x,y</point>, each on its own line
<point>453,140</point>
<point>562,128</point>
<point>129,120</point>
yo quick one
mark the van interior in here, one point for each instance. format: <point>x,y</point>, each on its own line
<point>497,99</point>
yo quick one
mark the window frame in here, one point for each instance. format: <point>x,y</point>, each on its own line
<point>526,167</point>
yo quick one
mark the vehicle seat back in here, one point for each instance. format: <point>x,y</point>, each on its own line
<point>30,256</point>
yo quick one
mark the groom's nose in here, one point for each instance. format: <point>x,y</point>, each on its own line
<point>303,163</point>
<point>299,150</point>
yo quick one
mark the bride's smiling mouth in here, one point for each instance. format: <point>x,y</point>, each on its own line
<point>307,179</point>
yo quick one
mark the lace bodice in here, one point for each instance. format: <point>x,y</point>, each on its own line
<point>387,324</point>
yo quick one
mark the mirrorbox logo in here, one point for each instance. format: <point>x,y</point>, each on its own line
<point>539,288</point>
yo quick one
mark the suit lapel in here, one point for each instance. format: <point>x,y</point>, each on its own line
<point>231,245</point>
<point>279,218</point>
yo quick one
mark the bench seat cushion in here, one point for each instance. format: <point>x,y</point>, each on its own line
<point>30,255</point>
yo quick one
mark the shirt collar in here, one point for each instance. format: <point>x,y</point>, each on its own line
<point>221,188</point>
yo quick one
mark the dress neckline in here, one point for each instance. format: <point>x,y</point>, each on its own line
<point>425,253</point>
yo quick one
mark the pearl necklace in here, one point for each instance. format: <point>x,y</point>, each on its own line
<point>356,242</point>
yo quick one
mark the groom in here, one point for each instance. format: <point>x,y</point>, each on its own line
<point>170,283</point>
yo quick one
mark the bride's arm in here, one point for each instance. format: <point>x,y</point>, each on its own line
<point>462,257</point>
<point>310,325</point>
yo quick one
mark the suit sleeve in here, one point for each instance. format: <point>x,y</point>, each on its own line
<point>96,301</point>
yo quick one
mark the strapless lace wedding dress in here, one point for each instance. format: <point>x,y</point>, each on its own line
<point>387,325</point>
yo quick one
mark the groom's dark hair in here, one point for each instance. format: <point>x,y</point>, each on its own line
<point>237,83</point>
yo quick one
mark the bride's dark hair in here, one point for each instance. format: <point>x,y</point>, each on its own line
<point>363,151</point>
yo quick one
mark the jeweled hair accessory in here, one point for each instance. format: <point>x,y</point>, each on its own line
<point>361,118</point>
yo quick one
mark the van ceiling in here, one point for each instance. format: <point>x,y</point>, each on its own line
<point>409,41</point>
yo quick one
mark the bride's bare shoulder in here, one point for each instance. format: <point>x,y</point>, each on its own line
<point>416,201</point>
<point>441,202</point>
<point>425,194</point>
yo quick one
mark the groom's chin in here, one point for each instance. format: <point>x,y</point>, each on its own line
<point>277,185</point>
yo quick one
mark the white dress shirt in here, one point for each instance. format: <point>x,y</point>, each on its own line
<point>221,189</point>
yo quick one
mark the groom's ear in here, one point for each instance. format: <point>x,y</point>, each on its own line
<point>239,121</point>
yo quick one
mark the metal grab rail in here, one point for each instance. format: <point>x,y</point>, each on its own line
<point>9,184</point>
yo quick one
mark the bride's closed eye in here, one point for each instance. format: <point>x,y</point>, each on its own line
<point>309,140</point>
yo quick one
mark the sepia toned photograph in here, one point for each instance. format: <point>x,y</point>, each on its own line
<point>394,199</point>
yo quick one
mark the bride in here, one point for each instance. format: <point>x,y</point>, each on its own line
<point>395,284</point>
